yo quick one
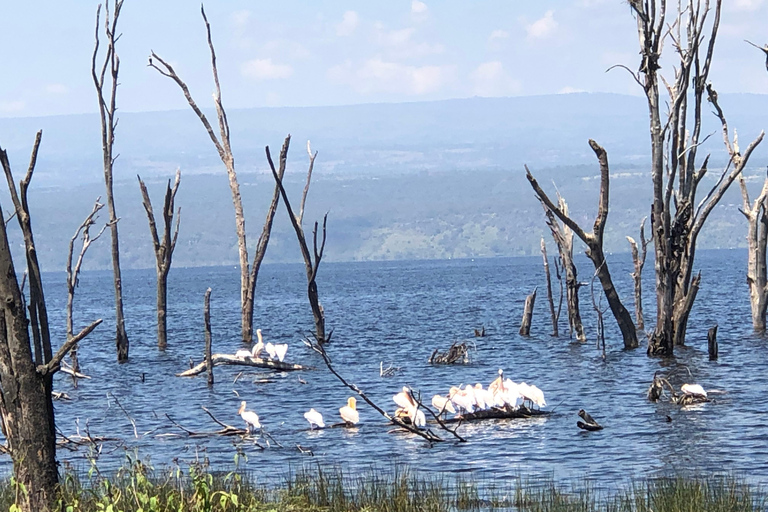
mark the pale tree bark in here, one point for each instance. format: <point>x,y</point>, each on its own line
<point>757,235</point>
<point>27,366</point>
<point>594,242</point>
<point>554,315</point>
<point>677,217</point>
<point>563,236</point>
<point>73,273</point>
<point>639,253</point>
<point>106,92</point>
<point>248,272</point>
<point>311,261</point>
<point>163,249</point>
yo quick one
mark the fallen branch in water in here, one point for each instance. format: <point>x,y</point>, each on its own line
<point>229,359</point>
<point>458,353</point>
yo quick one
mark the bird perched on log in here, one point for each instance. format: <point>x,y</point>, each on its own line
<point>764,49</point>
<point>349,412</point>
<point>251,418</point>
<point>589,422</point>
<point>255,351</point>
<point>315,419</point>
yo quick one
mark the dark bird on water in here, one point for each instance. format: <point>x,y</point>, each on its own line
<point>589,422</point>
<point>764,49</point>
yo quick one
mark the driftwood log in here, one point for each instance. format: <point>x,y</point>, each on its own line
<point>589,422</point>
<point>458,353</point>
<point>229,359</point>
<point>499,414</point>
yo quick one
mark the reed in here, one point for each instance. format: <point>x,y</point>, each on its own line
<point>138,487</point>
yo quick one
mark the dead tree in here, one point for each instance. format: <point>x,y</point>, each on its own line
<point>163,250</point>
<point>311,261</point>
<point>107,109</point>
<point>594,242</point>
<point>27,366</point>
<point>639,254</point>
<point>525,325</point>
<point>677,216</point>
<point>207,326</point>
<point>563,236</point>
<point>757,235</point>
<point>555,315</point>
<point>248,273</point>
<point>73,273</point>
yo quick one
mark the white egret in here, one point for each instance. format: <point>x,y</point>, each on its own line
<point>349,412</point>
<point>315,419</point>
<point>251,418</point>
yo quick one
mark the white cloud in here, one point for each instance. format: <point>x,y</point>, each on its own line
<point>12,106</point>
<point>543,27</point>
<point>399,44</point>
<point>265,69</point>
<point>747,5</point>
<point>497,39</point>
<point>418,7</point>
<point>490,79</point>
<point>380,76</point>
<point>56,89</point>
<point>569,90</point>
<point>498,34</point>
<point>349,23</point>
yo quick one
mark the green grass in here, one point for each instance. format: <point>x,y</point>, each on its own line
<point>138,487</point>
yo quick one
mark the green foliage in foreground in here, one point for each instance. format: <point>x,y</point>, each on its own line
<point>137,487</point>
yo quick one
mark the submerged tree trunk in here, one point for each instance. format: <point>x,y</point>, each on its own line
<point>163,250</point>
<point>675,172</point>
<point>107,109</point>
<point>638,259</point>
<point>757,236</point>
<point>550,299</point>
<point>525,325</point>
<point>563,237</point>
<point>248,274</point>
<point>26,375</point>
<point>594,243</point>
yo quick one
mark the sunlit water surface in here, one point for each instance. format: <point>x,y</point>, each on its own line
<point>397,313</point>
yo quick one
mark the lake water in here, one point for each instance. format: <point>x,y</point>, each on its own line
<point>397,313</point>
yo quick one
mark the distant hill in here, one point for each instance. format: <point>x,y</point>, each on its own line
<point>412,180</point>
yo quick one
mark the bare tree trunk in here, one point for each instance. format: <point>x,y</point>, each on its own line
<point>74,273</point>
<point>248,274</point>
<point>638,259</point>
<point>25,385</point>
<point>107,109</point>
<point>163,250</point>
<point>675,225</point>
<point>550,298</point>
<point>757,235</point>
<point>594,243</point>
<point>712,347</point>
<point>525,325</point>
<point>563,237</point>
<point>207,319</point>
<point>311,265</point>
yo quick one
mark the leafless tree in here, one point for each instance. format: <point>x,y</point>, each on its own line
<point>677,216</point>
<point>594,242</point>
<point>248,273</point>
<point>639,253</point>
<point>27,366</point>
<point>105,80</point>
<point>554,314</point>
<point>73,273</point>
<point>163,249</point>
<point>311,261</point>
<point>757,236</point>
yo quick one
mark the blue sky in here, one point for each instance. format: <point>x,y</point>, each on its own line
<point>326,52</point>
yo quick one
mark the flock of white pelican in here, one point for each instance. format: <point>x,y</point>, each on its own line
<point>276,351</point>
<point>502,395</point>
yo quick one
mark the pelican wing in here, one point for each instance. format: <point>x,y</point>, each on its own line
<point>242,354</point>
<point>280,351</point>
<point>418,419</point>
<point>270,348</point>
<point>693,389</point>
<point>251,418</point>
<point>403,399</point>
<point>314,418</point>
<point>349,415</point>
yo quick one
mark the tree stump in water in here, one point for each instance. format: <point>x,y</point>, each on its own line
<point>207,317</point>
<point>525,327</point>
<point>712,342</point>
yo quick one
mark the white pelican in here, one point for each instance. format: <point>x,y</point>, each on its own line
<point>255,350</point>
<point>693,390</point>
<point>404,398</point>
<point>315,419</point>
<point>511,395</point>
<point>349,413</point>
<point>485,396</point>
<point>417,418</point>
<point>251,418</point>
<point>409,407</point>
<point>443,404</point>
<point>498,383</point>
<point>462,399</point>
<point>242,353</point>
<point>532,394</point>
